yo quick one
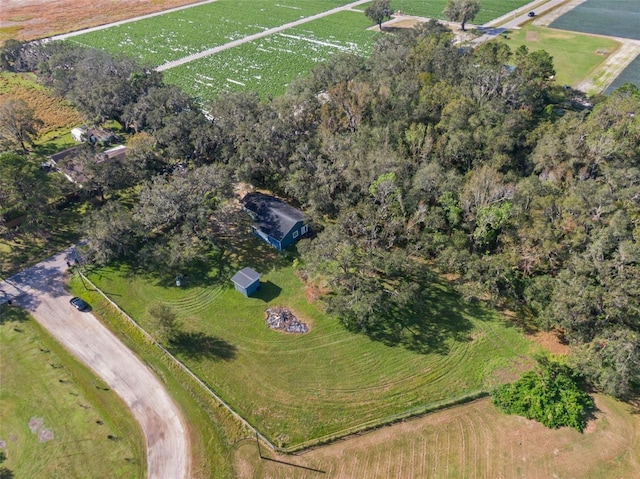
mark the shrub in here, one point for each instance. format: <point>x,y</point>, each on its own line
<point>549,394</point>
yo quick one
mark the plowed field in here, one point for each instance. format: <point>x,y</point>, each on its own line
<point>30,19</point>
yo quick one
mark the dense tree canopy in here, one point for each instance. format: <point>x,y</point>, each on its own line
<point>423,157</point>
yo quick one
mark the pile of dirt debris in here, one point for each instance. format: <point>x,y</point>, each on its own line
<point>282,319</point>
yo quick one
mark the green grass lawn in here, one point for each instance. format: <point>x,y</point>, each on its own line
<point>489,9</point>
<point>294,388</point>
<point>574,54</point>
<point>54,422</point>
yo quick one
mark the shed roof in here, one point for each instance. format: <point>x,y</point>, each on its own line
<point>245,277</point>
<point>272,215</point>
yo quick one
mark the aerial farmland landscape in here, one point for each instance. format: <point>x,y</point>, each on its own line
<point>320,238</point>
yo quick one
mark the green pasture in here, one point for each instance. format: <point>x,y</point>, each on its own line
<point>620,18</point>
<point>269,64</point>
<point>574,54</point>
<point>489,9</point>
<point>163,38</point>
<point>56,420</point>
<point>295,388</point>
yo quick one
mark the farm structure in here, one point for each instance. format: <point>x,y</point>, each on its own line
<point>247,281</point>
<point>274,221</point>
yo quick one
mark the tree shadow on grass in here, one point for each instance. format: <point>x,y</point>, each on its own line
<point>437,318</point>
<point>198,345</point>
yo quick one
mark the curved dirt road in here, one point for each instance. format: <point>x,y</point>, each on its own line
<point>42,294</point>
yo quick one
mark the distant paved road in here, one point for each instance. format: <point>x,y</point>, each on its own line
<point>41,292</point>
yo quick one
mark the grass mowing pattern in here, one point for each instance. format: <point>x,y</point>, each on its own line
<point>574,54</point>
<point>619,18</point>
<point>297,387</point>
<point>268,65</point>
<point>489,9</point>
<point>631,74</point>
<point>41,380</point>
<point>469,441</point>
<point>160,39</point>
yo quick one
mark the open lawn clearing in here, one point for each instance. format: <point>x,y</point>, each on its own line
<point>631,74</point>
<point>294,388</point>
<point>619,18</point>
<point>56,420</point>
<point>158,40</point>
<point>29,19</point>
<point>489,9</point>
<point>574,55</point>
<point>269,64</point>
<point>469,441</point>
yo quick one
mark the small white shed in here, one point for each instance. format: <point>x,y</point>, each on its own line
<point>79,134</point>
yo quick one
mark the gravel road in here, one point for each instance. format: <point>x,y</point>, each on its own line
<point>41,292</point>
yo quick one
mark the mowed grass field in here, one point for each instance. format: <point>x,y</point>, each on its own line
<point>160,39</point>
<point>489,9</point>
<point>269,64</point>
<point>619,18</point>
<point>55,419</point>
<point>295,388</point>
<point>469,441</point>
<point>574,54</point>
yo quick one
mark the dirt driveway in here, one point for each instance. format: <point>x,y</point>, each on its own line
<point>86,338</point>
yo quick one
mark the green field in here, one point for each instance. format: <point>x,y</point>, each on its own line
<point>55,419</point>
<point>619,18</point>
<point>295,388</point>
<point>574,54</point>
<point>160,39</point>
<point>469,441</point>
<point>489,9</point>
<point>268,65</point>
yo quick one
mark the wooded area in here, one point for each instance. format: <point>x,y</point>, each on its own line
<point>422,159</point>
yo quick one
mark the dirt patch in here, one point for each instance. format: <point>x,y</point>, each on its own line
<point>531,36</point>
<point>31,19</point>
<point>551,341</point>
<point>36,426</point>
<point>282,319</point>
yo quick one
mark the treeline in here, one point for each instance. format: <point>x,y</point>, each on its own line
<point>423,157</point>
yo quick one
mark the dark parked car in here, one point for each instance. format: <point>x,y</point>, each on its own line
<point>78,303</point>
<point>532,14</point>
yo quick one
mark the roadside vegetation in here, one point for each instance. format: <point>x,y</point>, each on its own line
<point>53,407</point>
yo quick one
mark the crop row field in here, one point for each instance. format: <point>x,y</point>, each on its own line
<point>469,441</point>
<point>620,18</point>
<point>163,38</point>
<point>269,64</point>
<point>296,388</point>
<point>631,74</point>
